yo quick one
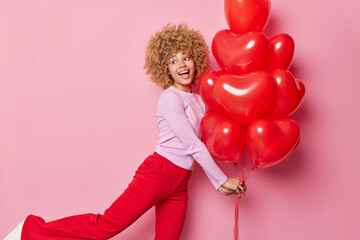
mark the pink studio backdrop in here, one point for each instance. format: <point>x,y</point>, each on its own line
<point>77,117</point>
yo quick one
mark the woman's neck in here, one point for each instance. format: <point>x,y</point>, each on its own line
<point>185,88</point>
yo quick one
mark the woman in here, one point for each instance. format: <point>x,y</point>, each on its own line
<point>175,59</point>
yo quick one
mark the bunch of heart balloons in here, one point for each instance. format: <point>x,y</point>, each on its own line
<point>250,98</point>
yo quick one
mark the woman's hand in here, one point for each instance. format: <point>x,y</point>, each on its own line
<point>235,185</point>
<point>225,191</point>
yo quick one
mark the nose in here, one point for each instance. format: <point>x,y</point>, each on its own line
<point>182,63</point>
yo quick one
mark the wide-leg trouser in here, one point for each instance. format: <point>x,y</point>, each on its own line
<point>157,182</point>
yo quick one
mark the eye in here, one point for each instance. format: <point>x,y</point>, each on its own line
<point>187,58</point>
<point>174,61</point>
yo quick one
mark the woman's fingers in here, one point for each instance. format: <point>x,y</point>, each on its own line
<point>227,191</point>
<point>224,191</point>
<point>242,189</point>
<point>236,185</point>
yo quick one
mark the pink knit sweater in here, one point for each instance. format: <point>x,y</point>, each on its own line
<point>179,114</point>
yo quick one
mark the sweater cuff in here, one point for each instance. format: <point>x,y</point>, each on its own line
<point>221,182</point>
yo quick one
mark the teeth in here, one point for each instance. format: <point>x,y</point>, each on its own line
<point>184,72</point>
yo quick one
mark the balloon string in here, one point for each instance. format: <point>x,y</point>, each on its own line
<point>243,179</point>
<point>252,171</point>
<point>243,172</point>
<point>236,225</point>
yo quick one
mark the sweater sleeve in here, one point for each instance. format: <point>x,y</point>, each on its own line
<point>171,107</point>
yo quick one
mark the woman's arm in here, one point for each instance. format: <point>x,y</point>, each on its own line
<point>171,107</point>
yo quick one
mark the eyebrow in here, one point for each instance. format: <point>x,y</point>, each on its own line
<point>184,53</point>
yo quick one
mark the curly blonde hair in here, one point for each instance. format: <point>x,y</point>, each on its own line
<point>172,39</point>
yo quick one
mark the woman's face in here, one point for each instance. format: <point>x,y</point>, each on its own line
<point>182,70</point>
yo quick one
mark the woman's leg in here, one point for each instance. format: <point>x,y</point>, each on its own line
<point>171,212</point>
<point>142,193</point>
<point>122,213</point>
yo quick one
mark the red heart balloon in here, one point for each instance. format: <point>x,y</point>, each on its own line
<point>244,98</point>
<point>281,52</point>
<point>206,85</point>
<point>288,95</point>
<point>240,53</point>
<point>224,139</point>
<point>247,15</point>
<point>269,142</point>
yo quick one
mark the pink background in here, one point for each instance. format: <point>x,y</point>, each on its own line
<point>78,117</point>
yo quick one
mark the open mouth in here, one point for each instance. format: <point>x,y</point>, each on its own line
<point>184,74</point>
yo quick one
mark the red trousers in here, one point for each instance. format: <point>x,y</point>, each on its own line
<point>157,182</point>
